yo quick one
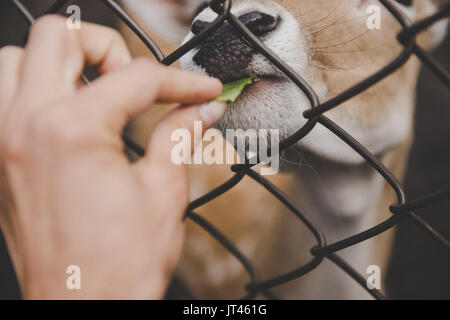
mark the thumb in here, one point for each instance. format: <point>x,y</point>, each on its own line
<point>176,132</point>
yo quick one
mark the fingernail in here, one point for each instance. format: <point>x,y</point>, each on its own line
<point>212,112</point>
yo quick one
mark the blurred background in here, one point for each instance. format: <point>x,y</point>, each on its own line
<point>419,268</point>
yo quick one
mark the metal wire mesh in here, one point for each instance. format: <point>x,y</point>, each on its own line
<point>403,209</point>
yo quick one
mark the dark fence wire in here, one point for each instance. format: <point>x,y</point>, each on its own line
<point>322,250</point>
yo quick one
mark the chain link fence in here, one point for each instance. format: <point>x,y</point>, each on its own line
<point>403,209</point>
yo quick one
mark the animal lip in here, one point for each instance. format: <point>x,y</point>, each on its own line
<point>261,77</point>
<point>270,77</point>
<point>232,90</point>
<point>267,80</point>
<point>263,82</point>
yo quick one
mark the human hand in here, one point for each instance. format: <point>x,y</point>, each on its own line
<point>77,200</point>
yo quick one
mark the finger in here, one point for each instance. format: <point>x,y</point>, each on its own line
<point>172,134</point>
<point>176,85</point>
<point>103,47</point>
<point>126,93</point>
<point>10,64</point>
<point>56,55</point>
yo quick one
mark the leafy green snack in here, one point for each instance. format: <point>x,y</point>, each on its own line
<point>231,91</point>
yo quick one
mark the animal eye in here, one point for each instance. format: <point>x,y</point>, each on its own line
<point>200,8</point>
<point>407,3</point>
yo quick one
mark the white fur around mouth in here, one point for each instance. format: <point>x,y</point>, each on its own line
<point>264,80</point>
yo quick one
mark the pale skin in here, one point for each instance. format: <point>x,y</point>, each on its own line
<point>77,200</point>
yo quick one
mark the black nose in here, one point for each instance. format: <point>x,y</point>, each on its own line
<point>226,54</point>
<point>259,23</point>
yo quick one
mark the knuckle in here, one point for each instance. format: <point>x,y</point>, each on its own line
<point>115,35</point>
<point>48,24</point>
<point>107,32</point>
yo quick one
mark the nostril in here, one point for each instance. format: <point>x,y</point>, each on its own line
<point>260,23</point>
<point>198,26</point>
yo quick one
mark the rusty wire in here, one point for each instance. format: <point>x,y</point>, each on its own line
<point>400,210</point>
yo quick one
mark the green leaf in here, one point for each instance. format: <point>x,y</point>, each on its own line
<point>232,91</point>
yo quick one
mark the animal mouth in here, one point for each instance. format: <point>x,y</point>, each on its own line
<point>270,77</point>
<point>264,82</point>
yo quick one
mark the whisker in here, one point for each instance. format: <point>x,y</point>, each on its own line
<point>333,23</point>
<point>325,18</point>
<point>349,51</point>
<point>337,23</point>
<point>310,11</point>
<point>341,43</point>
<point>331,67</point>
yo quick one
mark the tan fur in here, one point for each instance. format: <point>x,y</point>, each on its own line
<point>247,214</point>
